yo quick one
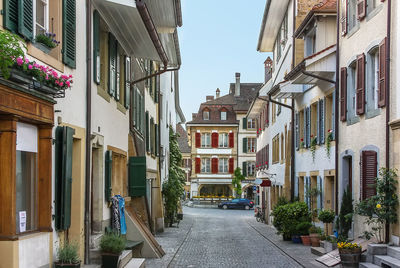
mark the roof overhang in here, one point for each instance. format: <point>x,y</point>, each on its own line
<point>286,90</point>
<point>305,25</point>
<point>259,100</point>
<point>274,13</point>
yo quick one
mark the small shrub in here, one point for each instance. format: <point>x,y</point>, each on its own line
<point>315,230</point>
<point>112,243</point>
<point>68,254</point>
<point>303,227</point>
<point>287,217</point>
<point>326,216</point>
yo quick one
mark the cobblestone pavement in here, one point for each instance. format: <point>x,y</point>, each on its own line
<point>227,238</point>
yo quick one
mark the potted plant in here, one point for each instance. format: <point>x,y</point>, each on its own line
<point>313,147</point>
<point>329,139</point>
<point>111,245</point>
<point>315,235</point>
<point>302,230</point>
<point>327,216</point>
<point>46,42</point>
<point>11,47</point>
<point>350,254</point>
<point>67,256</point>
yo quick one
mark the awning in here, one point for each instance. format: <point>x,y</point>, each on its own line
<point>266,183</point>
<point>288,89</point>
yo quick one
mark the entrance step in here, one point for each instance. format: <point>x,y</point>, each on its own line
<point>386,261</point>
<point>394,252</point>
<point>368,265</point>
<point>95,256</point>
<point>319,251</point>
<point>95,240</point>
<point>136,263</point>
<point>124,258</point>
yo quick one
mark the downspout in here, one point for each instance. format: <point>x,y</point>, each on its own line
<point>387,73</point>
<point>292,153</point>
<point>337,109</point>
<point>88,125</point>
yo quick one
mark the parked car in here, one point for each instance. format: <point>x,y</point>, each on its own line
<point>237,203</point>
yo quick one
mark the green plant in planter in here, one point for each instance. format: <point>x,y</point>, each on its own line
<point>329,139</point>
<point>313,147</point>
<point>302,228</point>
<point>315,230</point>
<point>326,216</point>
<point>312,194</point>
<point>68,256</point>
<point>346,215</point>
<point>11,47</point>
<point>47,39</point>
<point>111,244</point>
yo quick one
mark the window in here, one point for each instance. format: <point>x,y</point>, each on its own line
<point>282,147</point>
<point>205,140</point>
<point>137,111</point>
<point>251,123</point>
<point>329,121</point>
<point>352,14</point>
<point>26,176</point>
<point>351,92</point>
<point>251,145</point>
<point>223,140</point>
<point>278,46</point>
<point>275,149</point>
<point>313,120</point>
<point>372,80</point>
<point>301,128</point>
<point>223,115</point>
<point>251,167</point>
<point>310,43</point>
<point>371,5</point>
<point>284,29</point>
<point>206,115</point>
<point>41,16</point>
<point>205,165</point>
<point>369,168</point>
<point>223,165</point>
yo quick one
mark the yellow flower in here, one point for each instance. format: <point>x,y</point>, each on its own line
<point>378,206</point>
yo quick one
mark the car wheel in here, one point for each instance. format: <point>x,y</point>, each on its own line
<point>225,207</point>
<point>246,207</point>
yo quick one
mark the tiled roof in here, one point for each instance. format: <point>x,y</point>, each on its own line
<point>326,5</point>
<point>182,139</point>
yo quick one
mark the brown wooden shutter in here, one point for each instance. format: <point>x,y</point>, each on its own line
<point>214,165</point>
<point>214,140</point>
<point>344,18</point>
<point>369,173</point>
<point>360,91</point>
<point>198,140</point>
<point>343,93</point>
<point>231,164</point>
<point>263,120</point>
<point>267,156</point>
<point>267,114</point>
<point>382,74</point>
<point>361,9</point>
<point>231,140</point>
<point>197,165</point>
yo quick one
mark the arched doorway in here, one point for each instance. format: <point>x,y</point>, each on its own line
<point>248,192</point>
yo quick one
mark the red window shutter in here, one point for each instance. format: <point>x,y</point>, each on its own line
<point>361,8</point>
<point>231,165</point>
<point>343,93</point>
<point>369,173</point>
<point>214,165</point>
<point>231,140</point>
<point>257,124</point>
<point>197,168</point>
<point>360,91</point>
<point>382,74</point>
<point>344,19</point>
<point>198,140</point>
<point>214,140</point>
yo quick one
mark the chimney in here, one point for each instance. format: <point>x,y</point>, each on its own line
<point>194,116</point>
<point>237,84</point>
<point>217,92</point>
<point>209,98</point>
<point>268,69</point>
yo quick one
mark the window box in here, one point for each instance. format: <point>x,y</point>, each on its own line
<point>44,88</point>
<point>42,47</point>
<point>19,76</point>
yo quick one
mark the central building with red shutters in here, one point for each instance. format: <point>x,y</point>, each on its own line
<point>221,141</point>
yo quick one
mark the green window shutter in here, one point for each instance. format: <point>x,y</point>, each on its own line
<point>10,15</point>
<point>152,136</point>
<point>69,33</point>
<point>156,128</point>
<point>157,91</point>
<point>141,115</point>
<point>108,176</point>
<point>244,145</point>
<point>135,108</point>
<point>244,169</point>
<point>96,47</point>
<point>137,176</point>
<point>244,123</point>
<point>25,18</point>
<point>127,82</point>
<point>117,73</point>
<point>63,177</point>
<point>112,62</point>
<point>147,133</point>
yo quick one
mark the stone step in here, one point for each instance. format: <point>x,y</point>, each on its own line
<point>136,263</point>
<point>318,251</point>
<point>394,252</point>
<point>368,265</point>
<point>91,266</point>
<point>382,260</point>
<point>124,258</point>
<point>95,240</point>
<point>95,256</point>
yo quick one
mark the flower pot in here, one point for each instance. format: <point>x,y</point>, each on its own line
<point>306,240</point>
<point>287,237</point>
<point>350,257</point>
<point>296,239</point>
<point>66,265</point>
<point>43,47</point>
<point>109,260</point>
<point>314,240</point>
<point>44,88</point>
<point>19,76</point>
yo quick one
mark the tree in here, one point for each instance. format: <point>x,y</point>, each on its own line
<point>237,181</point>
<point>173,187</point>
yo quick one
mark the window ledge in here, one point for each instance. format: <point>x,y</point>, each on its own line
<point>103,93</point>
<point>372,113</point>
<point>373,13</point>
<point>353,120</point>
<point>45,58</point>
<point>121,108</point>
<point>353,30</point>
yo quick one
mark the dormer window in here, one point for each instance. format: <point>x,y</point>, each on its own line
<point>223,115</point>
<point>310,43</point>
<point>206,114</point>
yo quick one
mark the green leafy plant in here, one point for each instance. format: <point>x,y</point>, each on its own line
<point>302,144</point>
<point>312,194</point>
<point>287,217</point>
<point>302,228</point>
<point>315,230</point>
<point>326,216</point>
<point>346,215</point>
<point>173,187</point>
<point>281,201</point>
<point>237,181</point>
<point>11,47</point>
<point>68,253</point>
<point>313,147</point>
<point>329,139</point>
<point>381,209</point>
<point>47,39</point>
<point>112,243</point>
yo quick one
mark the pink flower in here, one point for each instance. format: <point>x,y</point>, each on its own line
<point>30,67</point>
<point>20,61</point>
<point>47,77</point>
<point>36,65</point>
<point>68,83</point>
<point>70,76</point>
<point>61,84</point>
<point>26,61</point>
<point>57,83</point>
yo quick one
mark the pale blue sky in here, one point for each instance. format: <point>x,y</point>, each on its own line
<point>218,38</point>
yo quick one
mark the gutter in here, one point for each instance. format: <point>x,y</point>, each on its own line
<point>178,10</point>
<point>293,146</point>
<point>88,187</point>
<point>337,109</point>
<point>264,21</point>
<point>387,73</point>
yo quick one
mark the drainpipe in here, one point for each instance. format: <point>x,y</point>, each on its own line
<point>337,109</point>
<point>292,153</point>
<point>387,73</point>
<point>88,125</point>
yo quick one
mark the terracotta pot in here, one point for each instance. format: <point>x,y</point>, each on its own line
<point>315,238</point>
<point>306,240</point>
<point>350,257</point>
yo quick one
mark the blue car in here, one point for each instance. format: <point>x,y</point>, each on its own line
<point>242,203</point>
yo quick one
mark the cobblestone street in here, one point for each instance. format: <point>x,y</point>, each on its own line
<point>227,238</point>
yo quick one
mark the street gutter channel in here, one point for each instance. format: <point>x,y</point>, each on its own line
<point>179,248</point>
<point>269,240</point>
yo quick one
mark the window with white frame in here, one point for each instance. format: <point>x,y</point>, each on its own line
<point>371,5</point>
<point>251,123</point>
<point>205,165</point>
<point>351,91</point>
<point>223,165</point>
<point>251,145</point>
<point>223,115</point>
<point>205,140</point>
<point>373,79</point>
<point>41,16</point>
<point>251,167</point>
<point>206,115</point>
<point>223,140</point>
<point>352,14</point>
